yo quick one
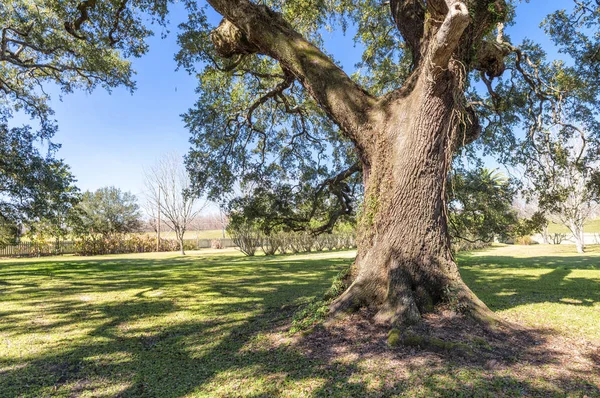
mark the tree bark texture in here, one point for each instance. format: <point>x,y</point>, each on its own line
<point>404,266</point>
<point>577,231</point>
<point>405,140</point>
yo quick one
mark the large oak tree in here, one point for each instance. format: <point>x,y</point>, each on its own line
<point>404,138</point>
<point>274,105</point>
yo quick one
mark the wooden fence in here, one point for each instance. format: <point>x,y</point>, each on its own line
<point>29,249</point>
<point>34,249</point>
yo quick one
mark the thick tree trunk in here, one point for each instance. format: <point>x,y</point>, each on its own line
<point>404,265</point>
<point>545,234</point>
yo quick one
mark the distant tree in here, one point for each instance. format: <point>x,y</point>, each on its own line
<point>566,179</point>
<point>67,45</point>
<point>9,232</point>
<point>107,211</point>
<point>479,205</point>
<point>167,189</point>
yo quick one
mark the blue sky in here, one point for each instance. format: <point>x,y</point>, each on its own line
<point>108,139</point>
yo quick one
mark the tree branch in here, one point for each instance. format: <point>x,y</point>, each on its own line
<point>448,36</point>
<point>259,30</point>
<point>409,16</point>
<point>73,27</point>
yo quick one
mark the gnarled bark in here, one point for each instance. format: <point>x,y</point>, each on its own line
<point>404,265</point>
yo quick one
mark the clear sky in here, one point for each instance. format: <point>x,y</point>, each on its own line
<point>108,139</point>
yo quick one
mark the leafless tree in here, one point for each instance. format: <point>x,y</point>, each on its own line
<point>565,183</point>
<point>167,184</point>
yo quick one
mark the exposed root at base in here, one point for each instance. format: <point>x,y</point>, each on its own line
<point>403,312</point>
<point>443,332</point>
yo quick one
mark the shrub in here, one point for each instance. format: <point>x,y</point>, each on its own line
<point>294,243</point>
<point>524,240</point>
<point>190,244</point>
<point>462,245</point>
<point>319,243</point>
<point>306,241</point>
<point>246,238</point>
<point>557,238</point>
<point>89,245</point>
<point>270,244</point>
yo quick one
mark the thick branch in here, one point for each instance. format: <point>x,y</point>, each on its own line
<point>335,185</point>
<point>74,27</point>
<point>448,36</point>
<point>409,16</point>
<point>263,31</point>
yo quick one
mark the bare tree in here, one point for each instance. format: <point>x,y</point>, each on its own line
<point>167,184</point>
<point>565,181</point>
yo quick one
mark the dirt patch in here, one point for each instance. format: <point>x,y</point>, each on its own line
<point>443,345</point>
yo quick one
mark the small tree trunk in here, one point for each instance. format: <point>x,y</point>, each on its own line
<point>545,235</point>
<point>577,231</point>
<point>180,235</point>
<point>404,266</point>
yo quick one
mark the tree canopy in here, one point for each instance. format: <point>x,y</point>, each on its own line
<point>107,211</point>
<point>256,124</point>
<point>64,45</point>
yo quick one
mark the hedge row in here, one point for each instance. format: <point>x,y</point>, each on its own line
<point>248,241</point>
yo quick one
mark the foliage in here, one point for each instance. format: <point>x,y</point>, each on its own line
<point>9,232</point>
<point>524,240</point>
<point>34,187</point>
<point>91,245</point>
<point>528,226</point>
<point>105,212</point>
<point>271,244</point>
<point>66,45</point>
<point>479,205</point>
<point>246,237</point>
<point>256,125</point>
<point>70,45</point>
<point>317,309</point>
<point>310,204</point>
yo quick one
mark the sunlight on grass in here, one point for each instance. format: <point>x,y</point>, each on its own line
<point>542,286</point>
<point>162,325</point>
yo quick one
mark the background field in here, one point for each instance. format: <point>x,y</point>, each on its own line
<point>592,226</point>
<point>213,324</point>
<point>205,234</point>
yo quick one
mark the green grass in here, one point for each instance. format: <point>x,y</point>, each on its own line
<point>546,286</point>
<point>592,226</point>
<point>161,325</point>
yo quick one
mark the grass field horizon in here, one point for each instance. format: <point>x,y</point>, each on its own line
<point>213,324</point>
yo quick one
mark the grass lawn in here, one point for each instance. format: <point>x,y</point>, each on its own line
<point>540,285</point>
<point>592,226</point>
<point>213,324</point>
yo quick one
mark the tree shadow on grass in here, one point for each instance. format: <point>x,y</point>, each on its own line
<point>505,282</point>
<point>217,328</point>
